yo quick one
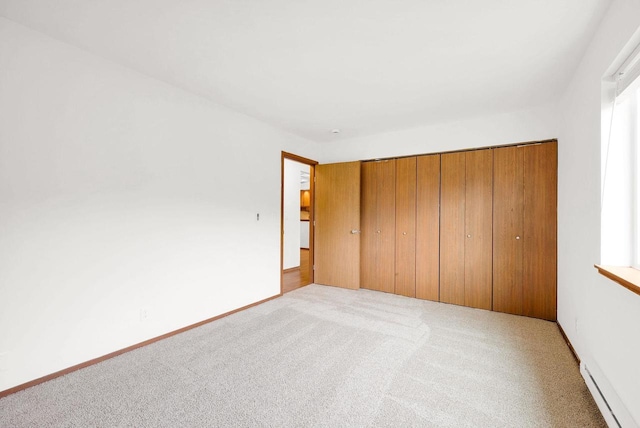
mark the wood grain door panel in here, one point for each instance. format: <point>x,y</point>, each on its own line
<point>337,213</point>
<point>540,230</point>
<point>478,228</point>
<point>452,228</point>
<point>428,227</point>
<point>508,229</point>
<point>378,225</point>
<point>369,238</point>
<point>386,214</point>
<point>405,206</point>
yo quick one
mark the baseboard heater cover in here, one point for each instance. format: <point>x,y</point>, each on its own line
<point>610,417</point>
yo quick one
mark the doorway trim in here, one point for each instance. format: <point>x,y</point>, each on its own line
<point>312,185</point>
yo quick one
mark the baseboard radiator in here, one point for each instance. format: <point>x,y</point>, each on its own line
<point>618,418</point>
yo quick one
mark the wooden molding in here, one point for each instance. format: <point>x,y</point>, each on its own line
<point>471,149</point>
<point>297,158</point>
<point>124,350</point>
<point>626,276</point>
<point>566,339</point>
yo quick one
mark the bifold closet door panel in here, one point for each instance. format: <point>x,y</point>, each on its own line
<point>378,226</point>
<point>508,229</point>
<point>368,223</point>
<point>452,228</point>
<point>405,227</point>
<point>386,268</point>
<point>540,230</point>
<point>478,226</point>
<point>428,228</point>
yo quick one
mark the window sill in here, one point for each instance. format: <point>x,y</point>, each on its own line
<point>628,277</point>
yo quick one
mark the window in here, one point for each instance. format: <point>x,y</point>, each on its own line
<point>620,199</point>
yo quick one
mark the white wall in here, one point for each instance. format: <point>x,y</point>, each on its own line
<point>538,123</point>
<point>119,193</point>
<point>600,317</point>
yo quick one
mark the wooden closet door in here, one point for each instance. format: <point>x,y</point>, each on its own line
<point>428,228</point>
<point>478,269</point>
<point>368,223</point>
<point>405,207</point>
<point>452,228</point>
<point>378,226</point>
<point>386,232</point>
<point>540,230</point>
<point>337,215</point>
<point>508,229</point>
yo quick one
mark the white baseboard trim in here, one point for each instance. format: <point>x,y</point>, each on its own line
<point>614,411</point>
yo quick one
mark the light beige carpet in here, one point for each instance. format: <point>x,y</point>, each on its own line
<point>323,356</point>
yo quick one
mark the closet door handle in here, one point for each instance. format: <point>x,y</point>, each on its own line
<point>354,231</point>
<point>517,237</point>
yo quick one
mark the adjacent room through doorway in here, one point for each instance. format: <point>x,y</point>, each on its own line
<point>296,222</point>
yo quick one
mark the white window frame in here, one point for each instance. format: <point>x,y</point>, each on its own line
<point>621,169</point>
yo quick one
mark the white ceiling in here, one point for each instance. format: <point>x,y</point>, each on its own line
<point>364,66</point>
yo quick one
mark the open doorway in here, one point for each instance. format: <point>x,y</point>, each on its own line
<point>296,220</point>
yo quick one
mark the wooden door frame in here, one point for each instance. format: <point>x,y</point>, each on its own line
<point>312,185</point>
